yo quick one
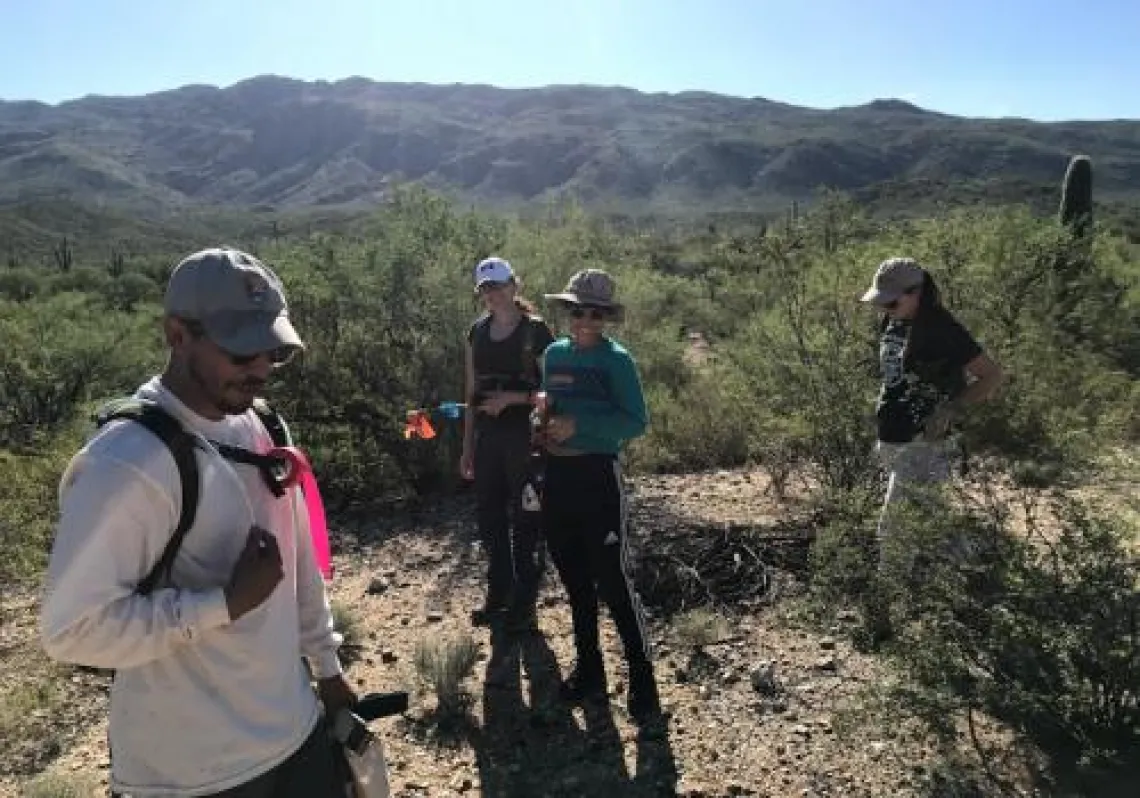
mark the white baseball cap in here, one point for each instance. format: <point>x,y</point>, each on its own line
<point>493,270</point>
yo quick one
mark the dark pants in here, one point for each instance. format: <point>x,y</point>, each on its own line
<point>584,516</point>
<point>511,535</point>
<point>311,772</point>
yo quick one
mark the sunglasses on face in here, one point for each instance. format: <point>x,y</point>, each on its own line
<point>894,303</point>
<point>587,312</point>
<point>491,285</point>
<point>277,357</point>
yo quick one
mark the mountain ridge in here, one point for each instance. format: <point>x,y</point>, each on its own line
<point>284,143</point>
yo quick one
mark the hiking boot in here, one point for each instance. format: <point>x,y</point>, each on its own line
<point>587,680</point>
<point>644,702</point>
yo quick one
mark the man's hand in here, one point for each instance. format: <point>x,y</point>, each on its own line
<point>256,573</point>
<point>336,694</point>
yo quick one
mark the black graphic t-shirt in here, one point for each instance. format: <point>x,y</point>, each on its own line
<point>932,372</point>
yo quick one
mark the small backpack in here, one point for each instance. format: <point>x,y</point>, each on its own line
<point>181,445</point>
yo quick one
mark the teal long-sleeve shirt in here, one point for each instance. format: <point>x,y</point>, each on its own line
<point>601,388</point>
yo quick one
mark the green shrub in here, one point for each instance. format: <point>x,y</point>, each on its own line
<point>790,384</point>
<point>700,627</point>
<point>1022,608</point>
<point>20,285</point>
<point>28,484</point>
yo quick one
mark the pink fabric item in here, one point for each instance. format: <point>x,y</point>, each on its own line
<point>301,471</point>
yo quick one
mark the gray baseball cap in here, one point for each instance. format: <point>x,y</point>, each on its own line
<point>893,278</point>
<point>238,300</point>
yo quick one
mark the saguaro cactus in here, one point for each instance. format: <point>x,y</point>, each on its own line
<point>118,265</point>
<point>64,257</point>
<point>1076,196</point>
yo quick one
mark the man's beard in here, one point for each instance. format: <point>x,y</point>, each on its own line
<point>217,394</point>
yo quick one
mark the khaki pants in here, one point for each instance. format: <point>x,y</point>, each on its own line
<point>912,468</point>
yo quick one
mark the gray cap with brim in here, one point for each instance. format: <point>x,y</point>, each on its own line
<point>893,278</point>
<point>238,300</point>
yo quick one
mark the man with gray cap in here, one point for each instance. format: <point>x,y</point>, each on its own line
<point>211,695</point>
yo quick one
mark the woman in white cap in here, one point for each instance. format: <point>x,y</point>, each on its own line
<point>502,374</point>
<point>596,405</point>
<point>931,368</point>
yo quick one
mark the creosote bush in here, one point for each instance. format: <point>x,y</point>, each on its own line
<point>1025,607</point>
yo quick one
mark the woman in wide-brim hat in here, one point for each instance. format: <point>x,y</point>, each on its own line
<point>591,289</point>
<point>596,405</point>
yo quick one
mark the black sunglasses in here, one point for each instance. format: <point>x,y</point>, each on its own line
<point>277,357</point>
<point>894,303</point>
<point>491,285</point>
<point>588,312</point>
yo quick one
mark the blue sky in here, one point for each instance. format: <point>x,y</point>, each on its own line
<point>1043,59</point>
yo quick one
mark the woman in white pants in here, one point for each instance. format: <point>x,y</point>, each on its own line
<point>932,368</point>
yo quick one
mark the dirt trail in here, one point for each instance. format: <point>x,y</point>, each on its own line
<point>407,578</point>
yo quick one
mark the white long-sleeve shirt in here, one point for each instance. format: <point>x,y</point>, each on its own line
<point>199,703</point>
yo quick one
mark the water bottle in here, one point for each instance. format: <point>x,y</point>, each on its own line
<point>536,467</point>
<point>364,755</point>
<point>539,416</point>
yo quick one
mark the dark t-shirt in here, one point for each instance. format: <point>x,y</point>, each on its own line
<point>512,364</point>
<point>933,371</point>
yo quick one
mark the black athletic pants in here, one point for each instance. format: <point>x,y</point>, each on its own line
<point>511,535</point>
<point>584,518</point>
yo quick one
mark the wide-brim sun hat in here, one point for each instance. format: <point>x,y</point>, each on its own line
<point>591,288</point>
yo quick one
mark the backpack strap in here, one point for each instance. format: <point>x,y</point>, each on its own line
<point>481,334</point>
<point>273,422</point>
<point>529,359</point>
<point>181,445</point>
<point>274,470</point>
